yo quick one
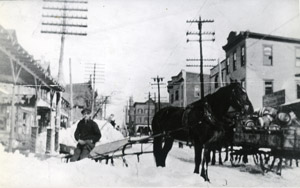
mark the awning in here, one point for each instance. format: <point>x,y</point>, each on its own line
<point>10,49</point>
<point>42,103</point>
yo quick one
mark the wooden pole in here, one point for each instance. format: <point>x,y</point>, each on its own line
<point>220,73</point>
<point>13,114</point>
<point>71,95</point>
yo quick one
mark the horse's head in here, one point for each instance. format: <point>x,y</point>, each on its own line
<point>239,99</point>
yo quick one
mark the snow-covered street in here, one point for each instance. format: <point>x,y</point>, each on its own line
<point>18,170</point>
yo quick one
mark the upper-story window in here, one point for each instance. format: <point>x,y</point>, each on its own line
<point>243,57</point>
<point>181,91</point>
<point>176,95</point>
<point>227,65</point>
<point>298,90</point>
<point>216,81</point>
<point>172,98</point>
<point>234,61</point>
<point>268,87</point>
<point>140,111</point>
<point>298,56</point>
<point>268,56</point>
<point>196,91</point>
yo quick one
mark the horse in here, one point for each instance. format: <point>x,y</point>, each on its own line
<point>200,122</point>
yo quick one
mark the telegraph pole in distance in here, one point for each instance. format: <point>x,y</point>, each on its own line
<point>149,97</point>
<point>96,75</point>
<point>158,81</point>
<point>200,33</point>
<point>71,94</point>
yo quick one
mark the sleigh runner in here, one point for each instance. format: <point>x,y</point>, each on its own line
<point>109,151</point>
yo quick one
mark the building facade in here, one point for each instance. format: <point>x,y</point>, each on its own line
<point>28,99</point>
<point>184,88</point>
<point>143,115</point>
<point>264,64</point>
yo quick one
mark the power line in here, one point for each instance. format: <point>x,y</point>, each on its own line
<point>200,33</point>
<point>158,81</point>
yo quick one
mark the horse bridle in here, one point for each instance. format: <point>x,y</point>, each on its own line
<point>236,100</point>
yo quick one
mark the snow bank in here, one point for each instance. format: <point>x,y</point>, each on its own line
<point>20,171</point>
<point>109,134</point>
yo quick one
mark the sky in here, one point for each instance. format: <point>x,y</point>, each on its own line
<point>18,170</point>
<point>134,41</point>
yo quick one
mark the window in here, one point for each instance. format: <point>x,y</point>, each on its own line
<point>268,87</point>
<point>227,65</point>
<point>146,120</point>
<point>268,57</point>
<point>243,60</point>
<point>176,95</point>
<point>216,81</point>
<point>298,91</point>
<point>243,83</point>
<point>140,111</point>
<point>234,61</point>
<point>181,92</point>
<point>298,56</point>
<point>196,91</point>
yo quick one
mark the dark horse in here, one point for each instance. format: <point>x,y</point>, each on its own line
<point>200,122</point>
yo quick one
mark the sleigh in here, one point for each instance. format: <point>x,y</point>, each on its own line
<point>110,151</point>
<point>262,144</point>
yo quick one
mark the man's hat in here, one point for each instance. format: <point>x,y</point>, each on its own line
<point>86,111</point>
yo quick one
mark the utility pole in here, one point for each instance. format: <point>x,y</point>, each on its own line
<point>71,94</point>
<point>149,97</point>
<point>158,80</point>
<point>93,89</point>
<point>131,119</point>
<point>200,33</point>
<point>95,74</point>
<point>220,73</point>
<point>57,20</point>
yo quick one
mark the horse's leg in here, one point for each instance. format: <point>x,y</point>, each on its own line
<point>231,151</point>
<point>226,153</point>
<point>165,150</point>
<point>279,167</point>
<point>198,152</point>
<point>157,150</point>
<point>220,156</point>
<point>204,168</point>
<point>213,160</point>
<point>245,158</point>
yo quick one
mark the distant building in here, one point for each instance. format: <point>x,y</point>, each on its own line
<point>266,65</point>
<point>184,88</point>
<point>82,98</point>
<point>218,79</point>
<point>139,115</point>
<point>143,115</point>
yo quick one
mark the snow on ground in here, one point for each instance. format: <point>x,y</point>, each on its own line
<point>18,170</point>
